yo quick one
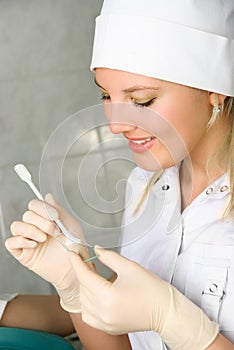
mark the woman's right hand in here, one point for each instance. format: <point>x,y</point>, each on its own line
<point>36,245</point>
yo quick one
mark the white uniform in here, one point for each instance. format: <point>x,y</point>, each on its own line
<point>194,250</point>
<point>4,299</point>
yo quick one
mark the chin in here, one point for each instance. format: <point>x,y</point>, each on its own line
<point>150,162</point>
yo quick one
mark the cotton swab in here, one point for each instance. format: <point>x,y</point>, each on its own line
<point>25,176</point>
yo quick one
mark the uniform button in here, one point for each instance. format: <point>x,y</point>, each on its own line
<point>165,187</point>
<point>209,190</point>
<point>223,188</point>
<point>213,288</point>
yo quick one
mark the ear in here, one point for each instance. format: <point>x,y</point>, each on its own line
<point>215,98</point>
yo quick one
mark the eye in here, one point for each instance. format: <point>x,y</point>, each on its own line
<point>105,97</point>
<point>144,104</point>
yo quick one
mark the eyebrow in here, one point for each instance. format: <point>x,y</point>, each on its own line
<point>132,88</point>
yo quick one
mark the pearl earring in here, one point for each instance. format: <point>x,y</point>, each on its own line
<point>214,117</point>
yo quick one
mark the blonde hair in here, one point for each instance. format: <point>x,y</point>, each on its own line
<point>225,155</point>
<point>148,187</point>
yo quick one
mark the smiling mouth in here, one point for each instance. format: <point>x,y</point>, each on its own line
<point>141,141</point>
<point>141,145</point>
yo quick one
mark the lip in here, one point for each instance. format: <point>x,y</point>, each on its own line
<point>140,147</point>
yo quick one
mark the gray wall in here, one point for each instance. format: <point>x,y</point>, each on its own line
<point>45,50</point>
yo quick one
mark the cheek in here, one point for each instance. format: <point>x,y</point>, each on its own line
<point>188,123</point>
<point>107,110</point>
<point>193,129</point>
<point>155,160</point>
<point>179,135</point>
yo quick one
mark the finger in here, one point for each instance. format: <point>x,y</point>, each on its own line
<point>87,300</point>
<point>49,198</point>
<point>90,319</point>
<point>43,209</point>
<point>95,321</point>
<point>113,260</point>
<point>43,224</point>
<point>15,244</point>
<point>85,275</point>
<point>21,249</point>
<point>22,229</point>
<point>90,313</point>
<point>65,217</point>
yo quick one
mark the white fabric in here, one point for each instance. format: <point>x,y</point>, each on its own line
<point>183,41</point>
<point>4,299</point>
<point>194,251</point>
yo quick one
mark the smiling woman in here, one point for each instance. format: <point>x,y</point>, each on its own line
<point>184,109</point>
<point>163,90</point>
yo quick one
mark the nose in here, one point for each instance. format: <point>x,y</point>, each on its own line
<point>118,128</point>
<point>118,115</point>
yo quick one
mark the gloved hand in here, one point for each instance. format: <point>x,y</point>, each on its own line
<point>138,300</point>
<point>36,245</point>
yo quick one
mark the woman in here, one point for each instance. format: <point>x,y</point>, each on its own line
<point>168,67</point>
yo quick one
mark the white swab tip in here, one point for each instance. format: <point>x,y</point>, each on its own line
<point>22,172</point>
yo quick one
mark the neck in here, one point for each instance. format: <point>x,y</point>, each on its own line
<point>194,177</point>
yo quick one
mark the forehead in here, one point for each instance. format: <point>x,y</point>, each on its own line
<point>116,82</point>
<point>113,77</point>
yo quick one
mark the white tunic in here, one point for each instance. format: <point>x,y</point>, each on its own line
<point>194,250</point>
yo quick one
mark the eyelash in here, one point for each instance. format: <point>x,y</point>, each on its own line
<point>140,105</point>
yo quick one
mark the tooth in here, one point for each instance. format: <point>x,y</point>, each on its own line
<point>139,141</point>
<point>142,141</point>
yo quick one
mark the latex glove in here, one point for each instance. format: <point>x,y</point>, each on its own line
<point>138,300</point>
<point>34,246</point>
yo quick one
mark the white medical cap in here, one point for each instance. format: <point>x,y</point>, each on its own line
<point>190,42</point>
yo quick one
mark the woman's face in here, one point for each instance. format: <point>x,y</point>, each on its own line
<point>162,121</point>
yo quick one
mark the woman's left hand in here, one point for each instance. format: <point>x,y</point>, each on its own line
<point>138,300</point>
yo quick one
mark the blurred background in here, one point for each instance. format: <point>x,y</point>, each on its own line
<point>45,52</point>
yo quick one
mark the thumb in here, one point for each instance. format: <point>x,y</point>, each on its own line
<point>49,198</point>
<point>63,215</point>
<point>68,220</point>
<point>87,277</point>
<point>113,260</point>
